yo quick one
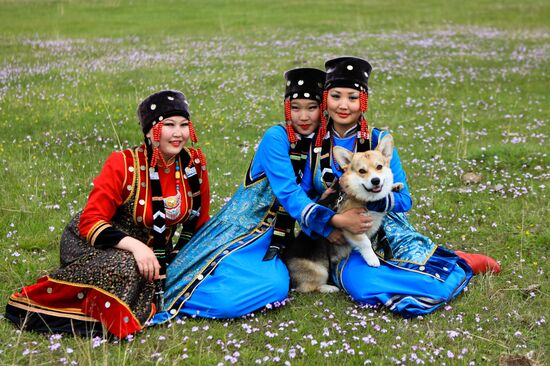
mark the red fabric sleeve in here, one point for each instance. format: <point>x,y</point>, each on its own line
<point>106,196</point>
<point>205,200</point>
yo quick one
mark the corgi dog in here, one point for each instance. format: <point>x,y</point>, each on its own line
<point>367,177</point>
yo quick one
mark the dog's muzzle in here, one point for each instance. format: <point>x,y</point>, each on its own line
<point>378,188</point>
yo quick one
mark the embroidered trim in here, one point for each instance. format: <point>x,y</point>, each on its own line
<point>129,176</point>
<point>306,212</point>
<point>21,298</point>
<point>263,226</point>
<point>96,230</point>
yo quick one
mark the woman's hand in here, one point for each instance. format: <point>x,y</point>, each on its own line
<point>146,260</point>
<point>337,237</point>
<point>354,220</point>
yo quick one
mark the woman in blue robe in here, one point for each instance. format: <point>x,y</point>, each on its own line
<point>420,276</point>
<point>228,268</point>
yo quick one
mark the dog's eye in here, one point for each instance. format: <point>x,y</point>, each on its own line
<point>362,171</point>
<point>379,167</point>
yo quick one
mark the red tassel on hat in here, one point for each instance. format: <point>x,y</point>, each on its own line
<point>288,120</point>
<point>192,133</point>
<point>156,131</point>
<point>202,158</point>
<point>363,101</point>
<point>364,107</point>
<point>288,114</point>
<point>364,128</point>
<point>291,133</point>
<point>323,129</point>
<point>198,154</point>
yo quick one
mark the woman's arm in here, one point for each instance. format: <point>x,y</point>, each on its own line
<point>103,201</point>
<point>272,157</point>
<point>395,201</point>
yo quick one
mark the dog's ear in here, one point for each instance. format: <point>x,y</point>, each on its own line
<point>342,156</point>
<point>385,146</point>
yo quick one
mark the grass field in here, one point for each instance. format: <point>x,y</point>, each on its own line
<point>463,86</point>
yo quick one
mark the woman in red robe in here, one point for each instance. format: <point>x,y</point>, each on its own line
<point>115,252</point>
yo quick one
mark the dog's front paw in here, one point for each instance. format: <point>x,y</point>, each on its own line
<point>397,187</point>
<point>327,289</point>
<point>373,261</point>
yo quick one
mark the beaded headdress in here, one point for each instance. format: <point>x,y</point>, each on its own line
<point>302,83</point>
<point>157,107</point>
<point>347,72</point>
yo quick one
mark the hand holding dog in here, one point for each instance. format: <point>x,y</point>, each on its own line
<point>355,220</point>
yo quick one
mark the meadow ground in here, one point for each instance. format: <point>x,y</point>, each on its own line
<point>463,87</point>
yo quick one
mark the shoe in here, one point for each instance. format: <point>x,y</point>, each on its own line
<point>479,263</point>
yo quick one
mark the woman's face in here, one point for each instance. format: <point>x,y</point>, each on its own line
<point>343,106</point>
<point>305,115</point>
<point>173,136</point>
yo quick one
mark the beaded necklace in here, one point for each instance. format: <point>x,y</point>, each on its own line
<point>172,205</point>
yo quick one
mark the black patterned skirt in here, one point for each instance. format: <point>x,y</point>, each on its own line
<point>95,292</point>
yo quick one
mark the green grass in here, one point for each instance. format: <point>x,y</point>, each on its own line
<point>114,18</point>
<point>462,85</point>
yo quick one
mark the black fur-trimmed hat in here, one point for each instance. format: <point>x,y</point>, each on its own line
<point>348,72</point>
<point>306,83</point>
<point>161,105</point>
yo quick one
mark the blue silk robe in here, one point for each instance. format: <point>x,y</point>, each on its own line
<point>221,273</point>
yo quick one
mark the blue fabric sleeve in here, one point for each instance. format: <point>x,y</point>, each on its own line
<point>272,157</point>
<point>307,181</point>
<point>382,205</point>
<point>395,201</point>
